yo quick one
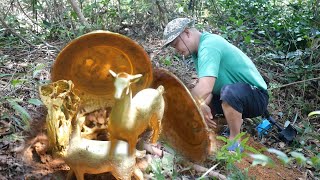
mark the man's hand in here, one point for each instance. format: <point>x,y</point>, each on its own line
<point>208,115</point>
<point>202,92</point>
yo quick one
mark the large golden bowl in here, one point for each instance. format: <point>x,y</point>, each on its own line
<point>87,60</point>
<point>183,125</point>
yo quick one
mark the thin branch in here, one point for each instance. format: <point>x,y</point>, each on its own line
<point>4,24</point>
<point>199,168</point>
<point>297,82</point>
<point>209,170</point>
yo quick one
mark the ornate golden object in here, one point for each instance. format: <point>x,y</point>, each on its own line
<point>87,60</point>
<point>62,105</point>
<point>82,155</point>
<point>129,116</point>
<point>183,125</point>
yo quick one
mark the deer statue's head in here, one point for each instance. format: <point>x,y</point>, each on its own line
<point>122,83</point>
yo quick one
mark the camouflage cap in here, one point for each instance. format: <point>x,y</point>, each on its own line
<point>174,28</point>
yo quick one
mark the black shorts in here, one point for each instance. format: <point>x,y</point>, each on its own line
<point>249,100</point>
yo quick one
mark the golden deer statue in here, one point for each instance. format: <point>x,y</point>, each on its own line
<point>86,156</point>
<point>129,116</point>
<point>82,155</point>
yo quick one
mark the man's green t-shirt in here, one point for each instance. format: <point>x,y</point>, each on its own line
<point>218,58</point>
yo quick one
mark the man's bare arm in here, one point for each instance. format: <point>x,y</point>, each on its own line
<point>202,93</point>
<point>202,90</point>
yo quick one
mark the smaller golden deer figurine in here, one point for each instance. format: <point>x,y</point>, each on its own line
<point>129,116</point>
<point>86,156</point>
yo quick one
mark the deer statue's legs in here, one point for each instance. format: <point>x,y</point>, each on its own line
<point>79,175</point>
<point>113,143</point>
<point>155,125</point>
<point>137,173</point>
<point>132,146</point>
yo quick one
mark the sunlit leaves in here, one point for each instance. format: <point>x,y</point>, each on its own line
<point>280,155</point>
<point>300,158</point>
<point>35,102</point>
<point>314,113</point>
<point>262,160</point>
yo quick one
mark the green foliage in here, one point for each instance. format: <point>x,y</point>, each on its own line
<point>287,25</point>
<point>163,168</point>
<point>307,132</point>
<point>166,61</point>
<point>35,102</point>
<point>315,162</point>
<point>238,174</point>
<point>23,113</point>
<point>230,158</point>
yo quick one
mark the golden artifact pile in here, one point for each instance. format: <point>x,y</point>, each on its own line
<point>108,73</point>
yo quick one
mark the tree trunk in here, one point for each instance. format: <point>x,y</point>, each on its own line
<point>162,15</point>
<point>80,15</point>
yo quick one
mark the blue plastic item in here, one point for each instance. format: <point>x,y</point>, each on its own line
<point>263,127</point>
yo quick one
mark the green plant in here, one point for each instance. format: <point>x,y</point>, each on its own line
<point>227,158</point>
<point>163,168</point>
<point>22,112</point>
<point>166,61</point>
<point>238,174</point>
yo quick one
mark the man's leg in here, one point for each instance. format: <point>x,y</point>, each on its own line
<point>234,119</point>
<point>240,101</point>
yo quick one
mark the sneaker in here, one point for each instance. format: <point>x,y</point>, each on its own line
<point>235,146</point>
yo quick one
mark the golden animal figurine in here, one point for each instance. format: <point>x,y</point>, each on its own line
<point>82,155</point>
<point>86,156</point>
<point>129,116</point>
